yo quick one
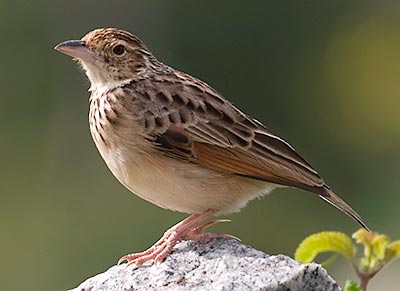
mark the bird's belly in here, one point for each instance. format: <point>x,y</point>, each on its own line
<point>181,186</point>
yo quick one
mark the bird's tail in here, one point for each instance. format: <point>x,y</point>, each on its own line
<point>336,201</point>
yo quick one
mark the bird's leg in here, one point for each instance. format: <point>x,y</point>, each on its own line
<point>190,228</point>
<point>198,233</point>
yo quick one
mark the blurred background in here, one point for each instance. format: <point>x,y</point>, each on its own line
<point>324,75</point>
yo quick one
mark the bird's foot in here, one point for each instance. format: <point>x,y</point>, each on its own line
<point>191,228</point>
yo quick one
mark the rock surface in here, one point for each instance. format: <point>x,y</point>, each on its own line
<point>220,264</point>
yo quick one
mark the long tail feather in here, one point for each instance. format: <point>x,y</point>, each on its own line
<point>336,201</point>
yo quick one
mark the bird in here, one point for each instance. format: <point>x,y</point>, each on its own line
<point>176,142</point>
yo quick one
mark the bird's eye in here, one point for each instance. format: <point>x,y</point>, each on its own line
<point>119,49</point>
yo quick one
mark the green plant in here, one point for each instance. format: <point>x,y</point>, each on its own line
<point>378,252</point>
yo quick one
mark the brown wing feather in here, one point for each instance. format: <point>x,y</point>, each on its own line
<point>187,119</point>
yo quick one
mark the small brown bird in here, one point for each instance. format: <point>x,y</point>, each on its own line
<point>174,141</point>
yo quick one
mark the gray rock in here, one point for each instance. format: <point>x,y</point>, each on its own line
<point>220,264</point>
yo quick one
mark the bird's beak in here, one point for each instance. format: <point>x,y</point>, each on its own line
<point>77,49</point>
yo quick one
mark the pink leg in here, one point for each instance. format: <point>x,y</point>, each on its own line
<point>199,234</point>
<point>189,228</point>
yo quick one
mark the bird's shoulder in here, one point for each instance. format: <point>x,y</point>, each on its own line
<point>176,98</point>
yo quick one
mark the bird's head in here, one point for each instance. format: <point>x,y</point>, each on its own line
<point>109,56</point>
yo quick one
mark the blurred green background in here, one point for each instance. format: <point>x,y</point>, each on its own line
<point>325,75</point>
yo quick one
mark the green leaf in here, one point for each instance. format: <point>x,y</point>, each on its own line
<point>392,251</point>
<point>375,245</point>
<point>352,286</point>
<point>328,241</point>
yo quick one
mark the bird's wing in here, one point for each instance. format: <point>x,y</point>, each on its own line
<point>187,119</point>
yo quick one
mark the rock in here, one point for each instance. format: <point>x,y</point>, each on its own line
<point>220,264</point>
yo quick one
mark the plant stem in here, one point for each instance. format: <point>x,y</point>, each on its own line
<point>364,282</point>
<point>365,277</point>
